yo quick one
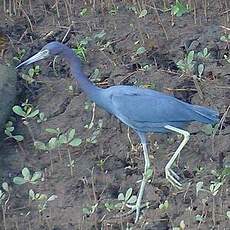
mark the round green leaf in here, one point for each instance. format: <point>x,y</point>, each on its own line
<point>36,176</point>
<point>140,50</point>
<point>75,142</point>
<point>26,174</point>
<point>19,180</point>
<point>143,13</point>
<point>18,138</point>
<point>19,111</point>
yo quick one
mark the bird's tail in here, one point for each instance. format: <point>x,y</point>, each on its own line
<point>206,115</point>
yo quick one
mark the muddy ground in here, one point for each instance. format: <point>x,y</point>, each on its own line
<point>110,166</point>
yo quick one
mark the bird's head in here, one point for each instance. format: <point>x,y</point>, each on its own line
<point>50,49</point>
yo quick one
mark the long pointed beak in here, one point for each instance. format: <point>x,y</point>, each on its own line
<point>39,56</point>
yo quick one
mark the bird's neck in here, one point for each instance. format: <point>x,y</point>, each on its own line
<point>85,84</point>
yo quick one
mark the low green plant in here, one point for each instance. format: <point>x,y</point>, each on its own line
<point>113,10</point>
<point>209,129</point>
<point>96,75</point>
<point>204,54</point>
<point>27,177</point>
<point>140,50</point>
<point>225,38</point>
<point>101,163</point>
<point>126,200</point>
<point>41,117</point>
<point>164,206</point>
<point>81,48</point>
<point>186,65</point>
<point>84,12</point>
<point>19,55</point>
<point>143,13</point>
<point>179,8</point>
<point>41,199</point>
<point>9,128</point>
<point>68,138</point>
<point>227,58</point>
<point>31,74</point>
<point>26,110</point>
<point>93,138</point>
<point>89,210</point>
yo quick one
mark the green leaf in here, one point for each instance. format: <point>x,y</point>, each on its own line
<point>40,145</point>
<point>31,194</point>
<point>132,199</point>
<point>33,114</point>
<point>36,176</point>
<point>53,197</point>
<point>19,111</point>
<point>228,214</point>
<point>5,186</point>
<point>179,9</point>
<point>53,131</point>
<point>100,35</point>
<point>71,134</point>
<point>200,69</point>
<point>149,173</point>
<point>75,142</point>
<point>62,139</point>
<point>140,50</point>
<point>199,187</point>
<point>118,206</point>
<point>190,57</point>
<point>143,13</point>
<point>31,72</point>
<point>26,174</point>
<point>86,211</point>
<point>53,143</point>
<point>207,129</point>
<point>19,180</point>
<point>121,196</point>
<point>18,138</point>
<point>223,38</point>
<point>128,194</point>
<point>83,12</point>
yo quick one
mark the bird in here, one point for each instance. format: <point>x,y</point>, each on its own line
<point>143,110</point>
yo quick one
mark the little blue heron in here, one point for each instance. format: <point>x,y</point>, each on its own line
<point>143,110</point>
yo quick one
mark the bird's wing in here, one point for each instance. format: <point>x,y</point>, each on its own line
<point>149,106</point>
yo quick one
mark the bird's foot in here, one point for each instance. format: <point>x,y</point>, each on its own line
<point>173,178</point>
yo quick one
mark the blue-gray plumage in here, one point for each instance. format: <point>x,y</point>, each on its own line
<point>144,110</point>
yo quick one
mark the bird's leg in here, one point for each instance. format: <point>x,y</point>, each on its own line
<point>171,176</point>
<point>145,176</point>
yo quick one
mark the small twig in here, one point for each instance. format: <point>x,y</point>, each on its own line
<point>226,28</point>
<point>93,116</point>
<point>126,78</point>
<point>30,23</point>
<point>201,95</point>
<point>67,33</point>
<point>220,126</point>
<point>159,20</point>
<point>170,89</point>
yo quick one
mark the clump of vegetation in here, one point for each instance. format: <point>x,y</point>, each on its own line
<point>9,128</point>
<point>179,8</point>
<point>31,74</point>
<point>27,177</point>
